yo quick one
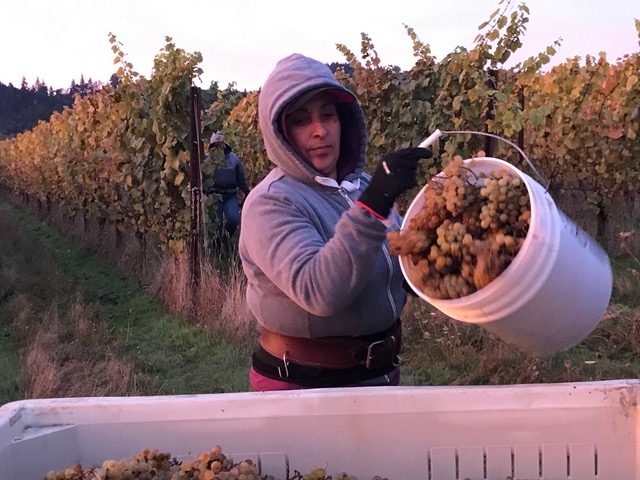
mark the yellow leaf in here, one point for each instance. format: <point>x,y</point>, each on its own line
<point>178,179</point>
<point>456,103</point>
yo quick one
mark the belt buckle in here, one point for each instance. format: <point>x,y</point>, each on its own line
<point>286,367</point>
<point>370,355</point>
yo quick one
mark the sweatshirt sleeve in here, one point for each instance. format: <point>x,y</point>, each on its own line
<point>282,241</point>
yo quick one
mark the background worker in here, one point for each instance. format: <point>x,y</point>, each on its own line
<point>226,181</point>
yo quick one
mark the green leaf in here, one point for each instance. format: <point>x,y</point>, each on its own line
<point>501,97</point>
<point>538,115</point>
<point>456,103</point>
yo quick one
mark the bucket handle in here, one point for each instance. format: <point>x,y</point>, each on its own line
<point>439,133</point>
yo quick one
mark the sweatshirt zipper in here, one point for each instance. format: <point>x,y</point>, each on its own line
<point>387,256</point>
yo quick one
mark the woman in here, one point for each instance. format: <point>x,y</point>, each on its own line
<point>321,283</point>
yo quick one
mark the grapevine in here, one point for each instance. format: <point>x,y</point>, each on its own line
<point>469,230</point>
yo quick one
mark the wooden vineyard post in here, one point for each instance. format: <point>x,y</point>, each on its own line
<point>492,84</point>
<point>195,181</point>
<point>521,132</point>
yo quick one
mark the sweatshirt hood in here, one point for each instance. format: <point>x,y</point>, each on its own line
<point>294,79</point>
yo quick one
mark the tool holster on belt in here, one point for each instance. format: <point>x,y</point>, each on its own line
<point>372,352</point>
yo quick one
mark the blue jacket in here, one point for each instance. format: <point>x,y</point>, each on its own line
<point>317,265</point>
<point>229,177</point>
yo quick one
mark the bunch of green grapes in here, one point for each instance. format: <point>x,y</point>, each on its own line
<point>469,230</point>
<point>154,465</point>
<point>211,465</point>
<point>214,465</point>
<point>320,473</point>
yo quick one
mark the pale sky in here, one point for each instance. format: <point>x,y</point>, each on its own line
<point>241,40</point>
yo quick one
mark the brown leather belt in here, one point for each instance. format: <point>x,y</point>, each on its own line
<point>335,352</point>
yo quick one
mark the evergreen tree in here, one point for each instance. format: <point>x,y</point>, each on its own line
<point>22,108</point>
<point>82,87</point>
<point>114,80</point>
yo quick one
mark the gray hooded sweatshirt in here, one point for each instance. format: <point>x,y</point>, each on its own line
<point>316,263</point>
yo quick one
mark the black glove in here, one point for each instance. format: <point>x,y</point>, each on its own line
<point>395,174</point>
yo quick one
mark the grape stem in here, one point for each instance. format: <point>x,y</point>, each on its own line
<point>472,173</point>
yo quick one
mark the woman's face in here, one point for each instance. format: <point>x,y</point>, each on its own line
<point>313,130</point>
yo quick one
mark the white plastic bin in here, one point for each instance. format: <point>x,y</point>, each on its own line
<point>554,292</point>
<point>576,431</point>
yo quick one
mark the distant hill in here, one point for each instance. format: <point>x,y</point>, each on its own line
<point>22,108</point>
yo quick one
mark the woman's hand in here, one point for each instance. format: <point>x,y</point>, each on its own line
<point>395,174</point>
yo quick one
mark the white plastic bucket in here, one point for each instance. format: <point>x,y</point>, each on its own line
<point>555,290</point>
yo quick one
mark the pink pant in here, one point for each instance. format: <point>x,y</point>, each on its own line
<point>260,383</point>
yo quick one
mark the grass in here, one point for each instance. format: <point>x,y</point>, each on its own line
<point>9,363</point>
<point>73,325</point>
<point>626,273</point>
<point>52,291</point>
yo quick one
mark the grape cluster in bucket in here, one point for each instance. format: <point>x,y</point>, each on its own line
<point>470,229</point>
